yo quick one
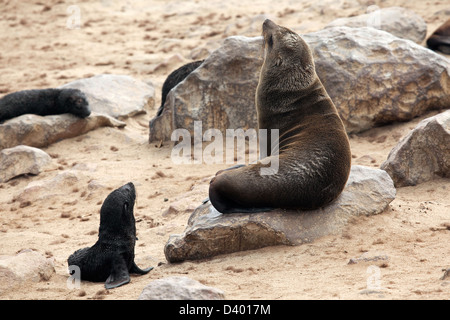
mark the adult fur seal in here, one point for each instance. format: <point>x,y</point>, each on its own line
<point>111,258</point>
<point>174,78</point>
<point>440,39</point>
<point>44,102</point>
<point>314,152</point>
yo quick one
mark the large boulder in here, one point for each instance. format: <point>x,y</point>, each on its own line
<point>21,160</point>
<point>27,265</point>
<point>37,131</point>
<point>422,154</point>
<point>118,96</point>
<point>179,288</point>
<point>401,22</point>
<point>373,77</point>
<point>209,233</point>
<point>220,93</point>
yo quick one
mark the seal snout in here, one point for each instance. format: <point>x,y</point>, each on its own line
<point>268,29</point>
<point>129,187</point>
<point>269,25</point>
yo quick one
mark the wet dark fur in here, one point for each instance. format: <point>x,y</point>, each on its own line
<point>440,39</point>
<point>314,151</point>
<point>175,78</point>
<point>44,102</point>
<point>111,258</point>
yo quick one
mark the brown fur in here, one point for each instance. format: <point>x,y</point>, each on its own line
<point>314,151</point>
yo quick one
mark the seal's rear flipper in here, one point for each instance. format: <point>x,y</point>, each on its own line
<point>224,203</point>
<point>119,275</point>
<point>136,269</point>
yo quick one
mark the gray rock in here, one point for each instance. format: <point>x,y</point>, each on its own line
<point>27,265</point>
<point>179,288</point>
<point>401,22</point>
<point>422,154</point>
<point>37,131</point>
<point>21,160</point>
<point>370,257</point>
<point>446,274</point>
<point>186,202</point>
<point>373,77</point>
<point>209,233</point>
<point>220,93</point>
<point>60,185</point>
<point>118,96</point>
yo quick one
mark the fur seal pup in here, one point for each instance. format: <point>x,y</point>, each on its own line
<point>440,39</point>
<point>174,78</point>
<point>44,102</point>
<point>314,157</point>
<point>111,258</point>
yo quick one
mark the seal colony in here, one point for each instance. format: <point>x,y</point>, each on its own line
<point>111,258</point>
<point>314,151</point>
<point>44,102</point>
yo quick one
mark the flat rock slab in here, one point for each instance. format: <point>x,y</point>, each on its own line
<point>209,233</point>
<point>37,131</point>
<point>118,96</point>
<point>179,288</point>
<point>21,160</point>
<point>422,154</point>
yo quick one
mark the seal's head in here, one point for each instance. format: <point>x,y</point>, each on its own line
<point>116,213</point>
<point>75,102</point>
<point>288,54</point>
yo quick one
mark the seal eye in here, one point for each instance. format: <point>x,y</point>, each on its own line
<point>125,206</point>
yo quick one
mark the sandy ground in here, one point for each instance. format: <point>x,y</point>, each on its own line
<point>147,40</point>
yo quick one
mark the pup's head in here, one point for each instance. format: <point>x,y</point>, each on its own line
<point>116,213</point>
<point>75,102</point>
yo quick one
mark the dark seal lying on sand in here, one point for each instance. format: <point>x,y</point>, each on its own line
<point>314,157</point>
<point>111,258</point>
<point>44,102</point>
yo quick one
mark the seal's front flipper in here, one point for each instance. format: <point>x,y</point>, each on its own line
<point>249,210</point>
<point>246,210</point>
<point>136,269</point>
<point>119,275</point>
<point>237,166</point>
